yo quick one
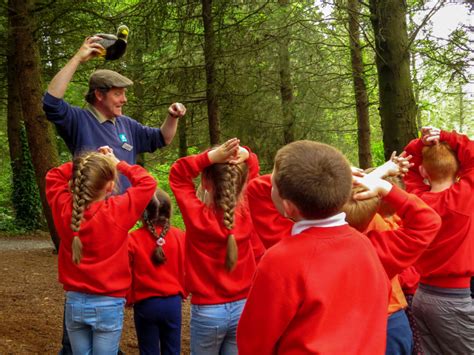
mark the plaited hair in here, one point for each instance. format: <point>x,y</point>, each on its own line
<point>315,177</point>
<point>359,213</point>
<point>440,162</point>
<point>158,213</point>
<point>91,173</point>
<point>228,181</point>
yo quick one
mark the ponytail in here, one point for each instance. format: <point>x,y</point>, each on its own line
<point>232,253</point>
<point>91,173</point>
<point>158,256</point>
<point>158,212</point>
<point>76,250</point>
<point>228,181</point>
<point>228,203</point>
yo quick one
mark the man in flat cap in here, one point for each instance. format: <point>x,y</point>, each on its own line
<point>102,122</point>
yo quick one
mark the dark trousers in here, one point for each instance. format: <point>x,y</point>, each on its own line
<point>158,325</point>
<point>472,287</point>
<point>399,335</point>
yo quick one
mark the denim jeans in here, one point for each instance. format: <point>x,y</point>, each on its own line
<point>94,323</point>
<point>214,328</point>
<point>399,335</point>
<point>158,325</point>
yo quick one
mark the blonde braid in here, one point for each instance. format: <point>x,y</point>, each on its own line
<point>228,202</point>
<point>81,198</point>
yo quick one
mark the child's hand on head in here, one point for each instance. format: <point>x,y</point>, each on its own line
<point>241,156</point>
<point>107,151</point>
<point>375,187</point>
<point>430,135</point>
<point>225,152</point>
<point>396,165</point>
<point>403,162</point>
<point>357,171</point>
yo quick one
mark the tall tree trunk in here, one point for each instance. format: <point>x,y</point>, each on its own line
<point>41,139</point>
<point>461,107</point>
<point>210,63</point>
<point>360,89</point>
<point>25,195</point>
<point>397,103</point>
<point>416,84</point>
<point>138,110</point>
<point>183,80</point>
<point>286,87</point>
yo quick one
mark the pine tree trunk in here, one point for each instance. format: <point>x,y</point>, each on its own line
<point>210,64</point>
<point>396,100</point>
<point>360,89</point>
<point>286,87</point>
<point>39,131</point>
<point>138,110</point>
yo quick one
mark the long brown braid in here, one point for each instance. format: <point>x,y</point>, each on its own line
<point>228,181</point>
<point>158,213</point>
<point>91,173</point>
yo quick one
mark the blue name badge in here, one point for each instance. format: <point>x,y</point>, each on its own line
<point>123,138</point>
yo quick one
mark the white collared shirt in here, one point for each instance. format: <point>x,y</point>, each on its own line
<point>333,221</point>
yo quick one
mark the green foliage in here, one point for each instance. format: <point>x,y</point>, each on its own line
<point>25,194</point>
<point>378,157</point>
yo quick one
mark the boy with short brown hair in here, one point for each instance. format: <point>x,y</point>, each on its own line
<point>310,290</point>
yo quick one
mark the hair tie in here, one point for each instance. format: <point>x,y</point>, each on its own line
<point>160,241</point>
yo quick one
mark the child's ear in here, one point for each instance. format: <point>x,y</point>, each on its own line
<point>291,211</point>
<point>423,172</point>
<point>109,188</point>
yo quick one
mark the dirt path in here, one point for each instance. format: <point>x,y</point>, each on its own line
<point>31,300</point>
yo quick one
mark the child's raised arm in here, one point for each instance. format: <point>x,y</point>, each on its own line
<point>399,249</point>
<point>413,180</point>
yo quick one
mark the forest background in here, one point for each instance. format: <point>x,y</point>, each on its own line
<point>363,76</point>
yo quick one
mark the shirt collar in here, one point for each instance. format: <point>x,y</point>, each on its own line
<point>98,115</point>
<point>333,221</point>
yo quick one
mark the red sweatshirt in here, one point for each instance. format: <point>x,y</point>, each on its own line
<point>449,260</point>
<point>149,279</point>
<point>206,237</point>
<point>104,268</point>
<point>400,248</point>
<point>323,291</point>
<point>269,224</point>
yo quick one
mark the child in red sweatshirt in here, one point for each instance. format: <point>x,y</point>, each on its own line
<point>93,257</point>
<point>397,246</point>
<point>156,253</point>
<point>219,261</point>
<point>442,305</point>
<point>270,225</point>
<point>309,294</point>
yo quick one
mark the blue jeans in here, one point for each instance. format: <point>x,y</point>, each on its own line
<point>158,324</point>
<point>399,334</point>
<point>94,323</point>
<point>214,328</point>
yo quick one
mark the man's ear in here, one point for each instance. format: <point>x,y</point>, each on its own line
<point>291,211</point>
<point>99,95</point>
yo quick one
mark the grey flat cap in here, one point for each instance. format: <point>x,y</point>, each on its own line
<point>107,79</point>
